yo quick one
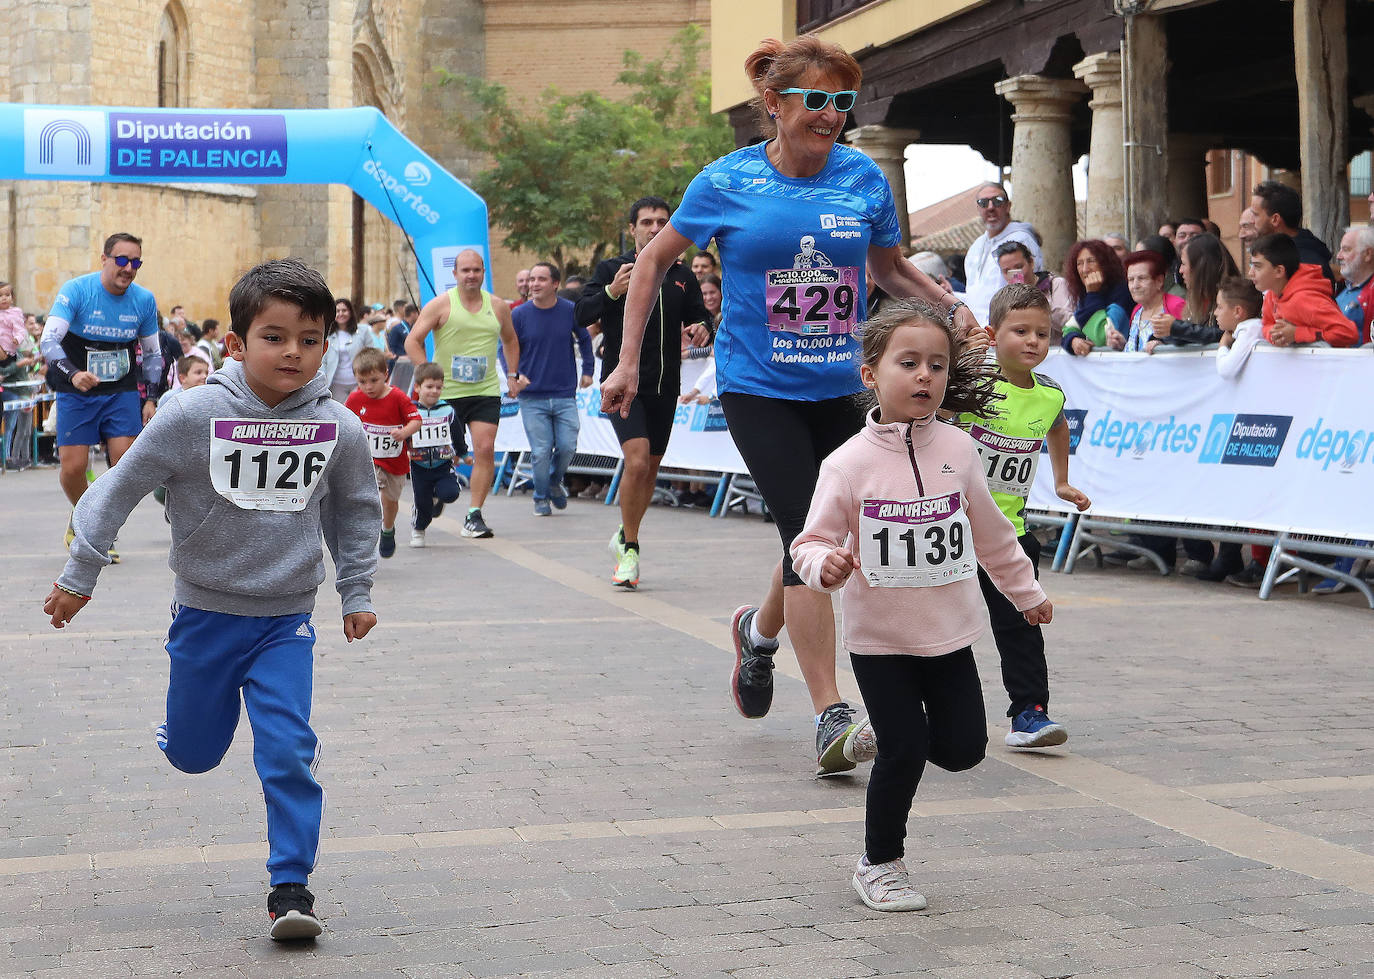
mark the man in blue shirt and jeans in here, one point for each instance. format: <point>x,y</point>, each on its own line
<point>547,327</point>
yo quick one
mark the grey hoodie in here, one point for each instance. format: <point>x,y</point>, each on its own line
<point>227,559</point>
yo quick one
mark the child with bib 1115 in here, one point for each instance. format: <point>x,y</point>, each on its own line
<point>433,480</point>
<point>901,519</point>
<point>259,464</point>
<point>389,418</point>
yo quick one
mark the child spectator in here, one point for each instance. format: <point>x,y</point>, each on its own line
<point>245,581</point>
<point>908,495</point>
<point>389,418</point>
<point>1097,285</point>
<point>1009,437</point>
<point>192,372</point>
<point>432,479</point>
<point>12,331</point>
<point>1239,305</point>
<point>1203,263</point>
<point>1145,276</point>
<point>1298,306</point>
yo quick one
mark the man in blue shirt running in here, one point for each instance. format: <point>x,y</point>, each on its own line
<point>92,338</point>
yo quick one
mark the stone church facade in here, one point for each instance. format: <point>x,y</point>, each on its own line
<point>287,54</point>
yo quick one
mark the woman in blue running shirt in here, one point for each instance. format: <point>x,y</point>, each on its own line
<point>796,218</point>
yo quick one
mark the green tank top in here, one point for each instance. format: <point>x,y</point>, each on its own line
<point>1010,438</point>
<point>465,347</point>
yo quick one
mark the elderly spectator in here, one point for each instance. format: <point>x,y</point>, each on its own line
<point>982,274</point>
<point>1119,244</point>
<point>1247,231</point>
<point>1145,274</point>
<point>1102,303</point>
<point>1278,211</point>
<point>1356,259</point>
<point>1203,263</point>
<point>1298,308</point>
<point>1165,248</point>
<point>1017,265</point>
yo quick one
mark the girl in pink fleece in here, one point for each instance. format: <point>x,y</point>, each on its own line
<point>901,519</point>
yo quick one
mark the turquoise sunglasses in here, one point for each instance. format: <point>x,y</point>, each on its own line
<point>816,99</point>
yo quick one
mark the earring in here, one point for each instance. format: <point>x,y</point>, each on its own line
<point>772,115</point>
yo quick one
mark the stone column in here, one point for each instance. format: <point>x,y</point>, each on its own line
<point>887,148</point>
<point>1323,115</point>
<point>1042,160</point>
<point>1144,70</point>
<point>1186,185</point>
<point>1106,154</point>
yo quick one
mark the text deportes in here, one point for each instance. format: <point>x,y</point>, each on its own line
<point>392,185</point>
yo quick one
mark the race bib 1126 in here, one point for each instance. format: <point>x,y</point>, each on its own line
<point>262,464</point>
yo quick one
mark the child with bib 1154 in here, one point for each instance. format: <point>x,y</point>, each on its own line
<point>389,418</point>
<point>901,519</point>
<point>260,463</point>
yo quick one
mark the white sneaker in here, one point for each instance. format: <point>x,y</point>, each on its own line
<point>417,538</point>
<point>887,886</point>
<point>861,744</point>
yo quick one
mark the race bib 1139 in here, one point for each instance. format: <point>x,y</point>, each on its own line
<point>915,543</point>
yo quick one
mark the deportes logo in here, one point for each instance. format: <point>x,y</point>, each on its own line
<point>68,142</point>
<point>416,174</point>
<point>1245,440</point>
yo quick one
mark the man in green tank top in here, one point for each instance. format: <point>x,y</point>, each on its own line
<point>467,322</point>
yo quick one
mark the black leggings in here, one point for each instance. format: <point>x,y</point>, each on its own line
<point>783,442</point>
<point>922,708</point>
<point>1021,646</point>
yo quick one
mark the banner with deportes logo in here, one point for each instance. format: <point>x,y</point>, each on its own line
<point>1288,445</point>
<point>355,147</point>
<point>700,438</point>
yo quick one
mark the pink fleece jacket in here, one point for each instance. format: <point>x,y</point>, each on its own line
<point>881,463</point>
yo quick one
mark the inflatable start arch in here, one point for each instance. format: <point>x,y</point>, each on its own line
<point>355,147</point>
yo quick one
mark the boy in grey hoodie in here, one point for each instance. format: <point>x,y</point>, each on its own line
<point>258,464</point>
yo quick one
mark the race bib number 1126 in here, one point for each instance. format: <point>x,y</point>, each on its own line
<point>259,464</point>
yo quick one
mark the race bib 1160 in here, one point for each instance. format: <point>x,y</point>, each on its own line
<point>259,464</point>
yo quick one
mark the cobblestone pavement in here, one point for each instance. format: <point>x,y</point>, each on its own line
<point>530,772</point>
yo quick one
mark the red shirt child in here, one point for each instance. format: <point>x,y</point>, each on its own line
<point>382,417</point>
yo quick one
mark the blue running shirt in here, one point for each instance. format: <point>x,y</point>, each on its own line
<point>97,314</point>
<point>793,254</point>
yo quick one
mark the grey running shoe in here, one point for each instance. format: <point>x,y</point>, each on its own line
<point>887,886</point>
<point>837,723</point>
<point>751,684</point>
<point>475,526</point>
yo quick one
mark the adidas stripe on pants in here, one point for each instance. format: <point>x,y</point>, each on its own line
<point>216,658</point>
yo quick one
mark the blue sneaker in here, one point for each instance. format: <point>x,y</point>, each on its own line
<point>542,508</point>
<point>1334,586</point>
<point>1032,728</point>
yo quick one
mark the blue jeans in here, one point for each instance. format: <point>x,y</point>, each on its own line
<point>551,425</point>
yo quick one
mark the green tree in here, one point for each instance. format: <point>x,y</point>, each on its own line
<point>562,173</point>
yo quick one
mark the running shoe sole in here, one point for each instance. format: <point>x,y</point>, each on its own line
<point>294,925</point>
<point>739,658</point>
<point>915,903</point>
<point>1047,737</point>
<point>832,760</point>
<point>478,534</point>
<point>861,744</point>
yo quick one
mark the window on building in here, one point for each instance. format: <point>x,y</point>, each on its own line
<point>1359,175</point>
<point>172,57</point>
<point>1220,173</point>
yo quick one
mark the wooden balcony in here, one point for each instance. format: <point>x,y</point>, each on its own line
<point>814,14</point>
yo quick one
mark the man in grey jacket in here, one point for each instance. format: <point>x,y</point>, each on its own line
<point>258,463</point>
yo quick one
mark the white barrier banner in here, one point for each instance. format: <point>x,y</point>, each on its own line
<point>1288,445</point>
<point>700,438</point>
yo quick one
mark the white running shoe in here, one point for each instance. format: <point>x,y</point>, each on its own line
<point>417,538</point>
<point>861,744</point>
<point>887,886</point>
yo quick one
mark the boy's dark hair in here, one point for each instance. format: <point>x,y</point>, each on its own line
<point>370,360</point>
<point>1018,295</point>
<point>554,273</point>
<point>1240,291</point>
<point>428,371</point>
<point>652,203</point>
<point>1282,200</point>
<point>207,325</point>
<point>287,280</point>
<point>1279,250</point>
<point>119,236</point>
<point>184,364</point>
